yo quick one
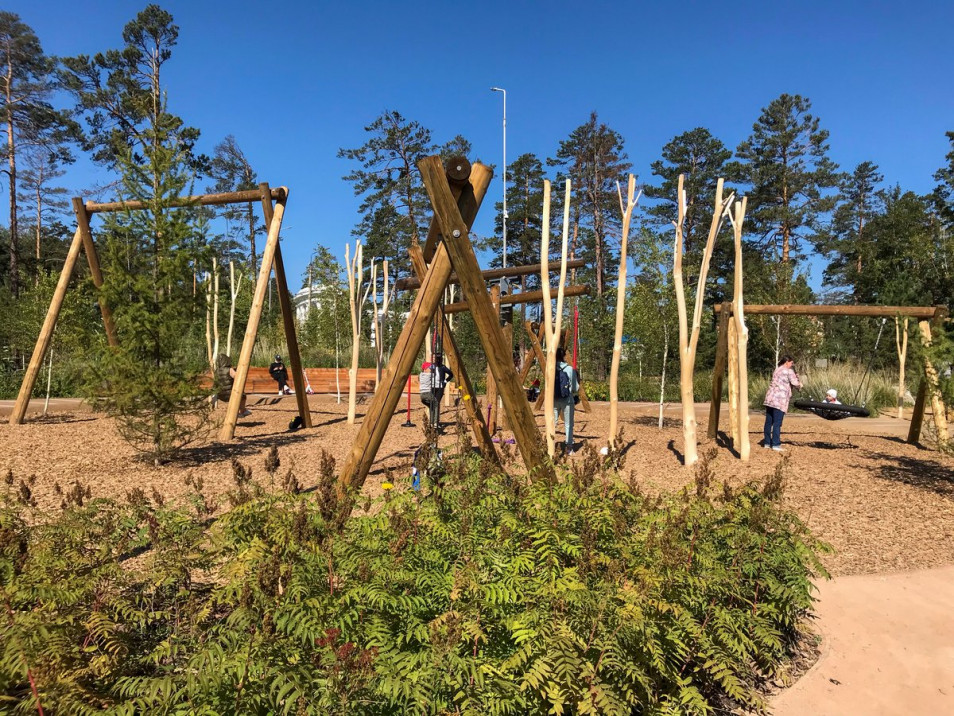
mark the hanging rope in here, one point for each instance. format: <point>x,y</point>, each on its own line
<point>854,400</point>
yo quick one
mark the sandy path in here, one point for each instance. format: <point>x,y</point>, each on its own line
<point>888,648</point>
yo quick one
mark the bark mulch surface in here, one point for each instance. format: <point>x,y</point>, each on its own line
<point>884,505</point>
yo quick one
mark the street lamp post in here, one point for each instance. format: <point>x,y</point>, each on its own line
<point>504,92</point>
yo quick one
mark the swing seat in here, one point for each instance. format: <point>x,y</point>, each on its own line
<point>832,411</point>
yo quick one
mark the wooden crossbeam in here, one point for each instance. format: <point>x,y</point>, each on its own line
<point>232,197</point>
<point>406,284</point>
<point>357,465</point>
<point>514,298</point>
<point>454,230</point>
<point>789,309</point>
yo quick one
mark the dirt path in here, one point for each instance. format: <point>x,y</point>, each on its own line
<point>888,648</point>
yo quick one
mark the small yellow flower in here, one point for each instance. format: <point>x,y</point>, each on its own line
<point>387,486</point>
<point>466,397</point>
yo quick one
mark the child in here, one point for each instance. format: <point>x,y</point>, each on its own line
<point>832,396</point>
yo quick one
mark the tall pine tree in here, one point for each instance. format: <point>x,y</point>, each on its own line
<point>848,246</point>
<point>594,158</point>
<point>393,200</point>
<point>785,162</point>
<point>29,120</point>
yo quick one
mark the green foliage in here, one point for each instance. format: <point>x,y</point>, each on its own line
<point>484,593</point>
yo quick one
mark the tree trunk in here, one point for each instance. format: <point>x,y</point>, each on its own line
<point>552,328</point>
<point>901,342</point>
<point>12,186</point>
<point>732,352</point>
<point>620,310</point>
<point>355,272</point>
<point>937,404</point>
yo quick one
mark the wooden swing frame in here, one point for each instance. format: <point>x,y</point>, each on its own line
<point>271,257</point>
<point>926,315</point>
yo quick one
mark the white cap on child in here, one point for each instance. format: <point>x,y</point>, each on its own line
<point>832,393</point>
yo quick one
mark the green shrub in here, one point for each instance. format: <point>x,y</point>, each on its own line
<point>484,593</point>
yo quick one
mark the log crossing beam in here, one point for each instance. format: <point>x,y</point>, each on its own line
<point>789,309</point>
<point>231,197</point>
<point>513,298</point>
<point>454,230</point>
<point>407,284</point>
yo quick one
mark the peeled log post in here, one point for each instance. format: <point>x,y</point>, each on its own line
<point>553,327</point>
<point>631,201</point>
<point>732,341</point>
<point>931,378</point>
<point>689,341</point>
<point>901,343</point>
<point>741,337</point>
<point>355,271</point>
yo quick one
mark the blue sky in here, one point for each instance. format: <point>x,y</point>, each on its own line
<point>295,81</point>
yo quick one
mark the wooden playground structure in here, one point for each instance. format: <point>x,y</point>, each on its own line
<point>456,193</point>
<point>727,342</point>
<point>273,206</point>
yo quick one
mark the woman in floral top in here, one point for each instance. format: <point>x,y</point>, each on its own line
<point>776,401</point>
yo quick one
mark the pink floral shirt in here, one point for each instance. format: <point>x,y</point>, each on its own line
<point>780,390</point>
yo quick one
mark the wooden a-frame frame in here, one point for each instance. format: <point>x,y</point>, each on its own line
<point>447,248</point>
<point>925,315</point>
<point>83,239</point>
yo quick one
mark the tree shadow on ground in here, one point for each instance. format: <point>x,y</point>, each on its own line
<point>923,473</point>
<point>652,421</point>
<point>241,447</point>
<point>57,418</point>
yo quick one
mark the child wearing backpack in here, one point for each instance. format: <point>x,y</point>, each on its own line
<point>566,384</point>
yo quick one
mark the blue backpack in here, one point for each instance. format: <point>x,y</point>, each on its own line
<point>562,390</point>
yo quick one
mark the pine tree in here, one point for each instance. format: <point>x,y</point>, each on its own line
<point>26,86</point>
<point>786,164</point>
<point>118,92</point>
<point>859,203</point>
<point>44,200</point>
<point>232,171</point>
<point>594,158</point>
<point>944,193</point>
<point>703,159</point>
<point>394,203</point>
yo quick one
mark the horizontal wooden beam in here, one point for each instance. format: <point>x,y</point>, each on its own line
<point>525,297</point>
<point>408,284</point>
<point>229,197</point>
<point>810,310</point>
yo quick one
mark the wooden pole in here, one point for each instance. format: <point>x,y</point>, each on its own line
<point>491,385</point>
<point>741,343</point>
<point>46,332</point>
<point>456,363</point>
<point>288,312</point>
<point>631,201</point>
<point>454,230</point>
<point>227,432</point>
<point>917,415</point>
<point>232,197</point>
<point>688,341</point>
<point>931,379</point>
<point>356,466</point>
<point>791,309</point>
<point>718,373</point>
<point>82,220</point>
<point>732,352</point>
<point>901,343</point>
<point>355,274</point>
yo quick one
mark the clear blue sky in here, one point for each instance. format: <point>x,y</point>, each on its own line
<point>295,81</point>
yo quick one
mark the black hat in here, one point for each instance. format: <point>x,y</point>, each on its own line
<point>278,358</point>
